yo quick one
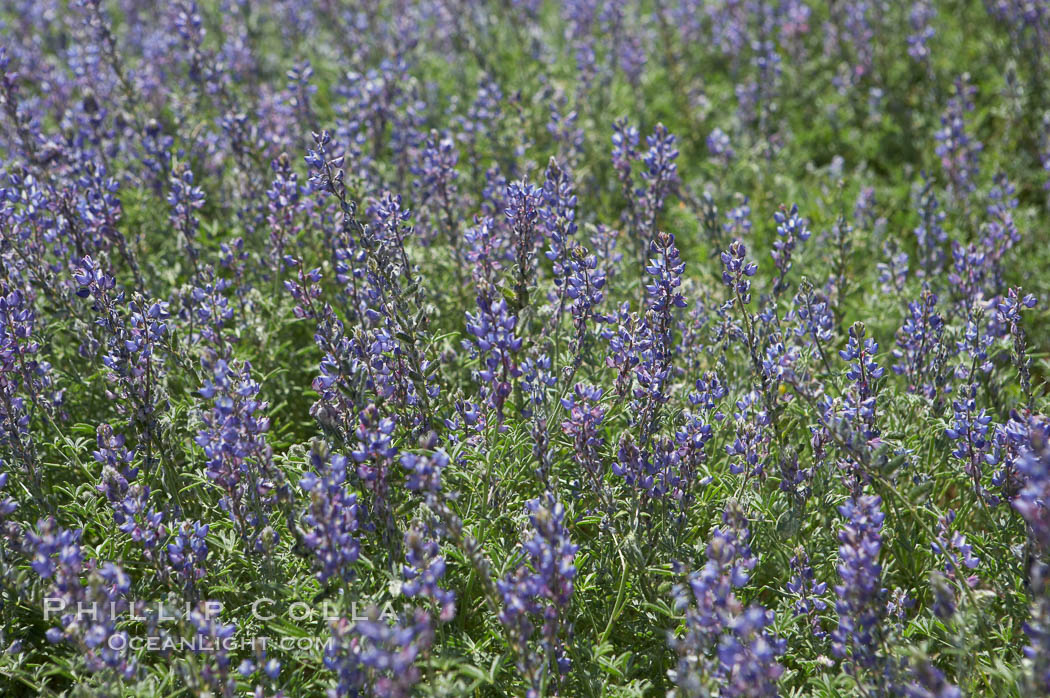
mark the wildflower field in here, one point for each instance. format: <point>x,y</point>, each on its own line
<point>524,348</point>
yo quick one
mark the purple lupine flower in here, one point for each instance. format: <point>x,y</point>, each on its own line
<point>653,343</point>
<point>485,253</point>
<point>580,16</point>
<point>766,365</point>
<point>631,52</point>
<point>156,156</point>
<point>918,346</point>
<point>496,343</point>
<point>670,480</point>
<point>584,284</point>
<point>366,101</point>
<point>1000,233</point>
<point>738,271</point>
<point>270,667</point>
<point>794,479</point>
<point>342,657</point>
<point>1028,22</point>
<point>188,555</point>
<point>693,436</point>
<point>12,532</point>
<point>1034,464</point>
<point>842,241</point>
<point>794,17</point>
<point>720,148</point>
<point>645,204</point>
<point>958,150</point>
<point>859,33</point>
<point>388,653</point>
<point>26,383</point>
<point>956,553</point>
<point>893,273</point>
<point>621,337</point>
<point>190,28</point>
<point>424,472</point>
<point>757,98</point>
<point>649,472</point>
<point>725,644</point>
<point>660,176</point>
<point>523,201</point>
<point>330,521</point>
<point>392,304</point>
<point>537,379</point>
<point>863,374</point>
<point>326,166</point>
<point>558,222</point>
<point>37,235</point>
<point>185,199</point>
<point>749,450</point>
<point>8,505</point>
<point>10,85</point>
<point>944,595</point>
<point>541,589</point>
<point>860,606</point>
<point>1008,312</point>
<point>587,62</point>
<point>563,126</point>
<point>133,331</point>
<point>808,591</point>
<point>921,20</point>
<point>695,336</point>
<point>729,26</point>
<point>436,177</point>
<point>371,654</point>
<point>423,571</point>
<point>483,112</point>
<point>216,672</point>
<point>283,204</point>
<point>239,457</point>
<point>551,551</point>
<point>814,323</point>
<point>145,525</point>
<point>58,558</point>
<point>973,349</point>
<point>777,365</point>
<point>624,152</point>
<point>924,680</point>
<point>865,212</point>
<point>583,425</point>
<point>691,440</point>
<point>338,384</point>
<point>100,211</point>
<point>791,229</point>
<point>747,655</point>
<point>738,219</point>
<point>969,430</point>
<point>117,463</point>
<point>243,143</point>
<point>897,608</point>
<point>212,313</point>
<point>1008,443</point>
<point>494,197</point>
<point>300,92</point>
<point>969,272</point>
<point>374,454</point>
<point>468,424</point>
<point>666,268</point>
<point>930,233</point>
